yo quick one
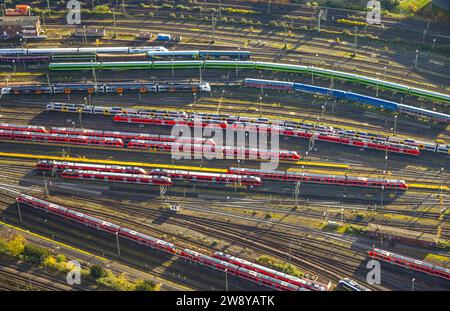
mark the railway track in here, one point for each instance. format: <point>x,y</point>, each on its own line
<point>134,212</point>
<point>363,66</point>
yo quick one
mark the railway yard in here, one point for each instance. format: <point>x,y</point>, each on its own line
<point>115,151</point>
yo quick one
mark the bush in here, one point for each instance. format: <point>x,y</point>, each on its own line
<point>61,258</point>
<point>146,285</point>
<point>101,9</point>
<point>15,246</point>
<point>172,15</point>
<point>97,272</point>
<point>119,282</point>
<point>36,253</point>
<point>273,24</point>
<point>351,22</point>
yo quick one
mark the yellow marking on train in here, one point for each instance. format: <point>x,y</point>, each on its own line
<point>426,186</point>
<point>113,162</point>
<point>53,241</point>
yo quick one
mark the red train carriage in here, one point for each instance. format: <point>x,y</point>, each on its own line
<point>147,240</point>
<point>410,263</point>
<point>97,223</point>
<point>64,138</point>
<point>208,177</point>
<point>343,180</point>
<point>304,283</point>
<point>238,271</point>
<point>117,177</point>
<point>91,221</point>
<point>41,204</point>
<point>50,165</point>
<point>159,120</point>
<point>23,128</point>
<point>126,136</point>
<point>5,134</point>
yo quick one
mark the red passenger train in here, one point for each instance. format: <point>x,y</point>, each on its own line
<point>160,120</point>
<point>61,138</point>
<point>117,177</point>
<point>96,223</point>
<point>170,248</point>
<point>224,152</point>
<point>50,165</point>
<point>218,178</point>
<point>301,282</point>
<point>410,263</point>
<point>240,271</point>
<point>343,180</point>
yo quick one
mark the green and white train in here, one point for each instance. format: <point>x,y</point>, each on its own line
<point>252,65</point>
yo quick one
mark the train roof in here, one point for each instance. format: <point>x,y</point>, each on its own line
<point>146,237</point>
<point>125,175</point>
<point>425,111</point>
<point>267,81</point>
<point>412,260</point>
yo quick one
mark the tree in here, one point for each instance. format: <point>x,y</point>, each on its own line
<point>144,285</point>
<point>36,253</point>
<point>16,246</point>
<point>97,271</point>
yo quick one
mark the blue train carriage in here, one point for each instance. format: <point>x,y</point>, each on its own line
<point>372,101</point>
<point>217,54</point>
<point>300,87</point>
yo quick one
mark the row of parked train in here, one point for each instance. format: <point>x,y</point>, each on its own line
<point>110,53</point>
<point>137,175</point>
<point>287,131</point>
<point>243,176</point>
<point>243,269</point>
<point>350,96</point>
<point>136,141</point>
<point>83,50</point>
<point>288,128</point>
<point>249,65</point>
<point>89,88</point>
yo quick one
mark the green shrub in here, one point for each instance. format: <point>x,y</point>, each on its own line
<point>35,253</point>
<point>96,271</point>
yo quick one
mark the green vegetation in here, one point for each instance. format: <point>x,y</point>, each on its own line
<point>239,11</point>
<point>16,246</point>
<point>351,22</point>
<point>97,271</point>
<point>279,265</point>
<point>410,6</point>
<point>145,285</point>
